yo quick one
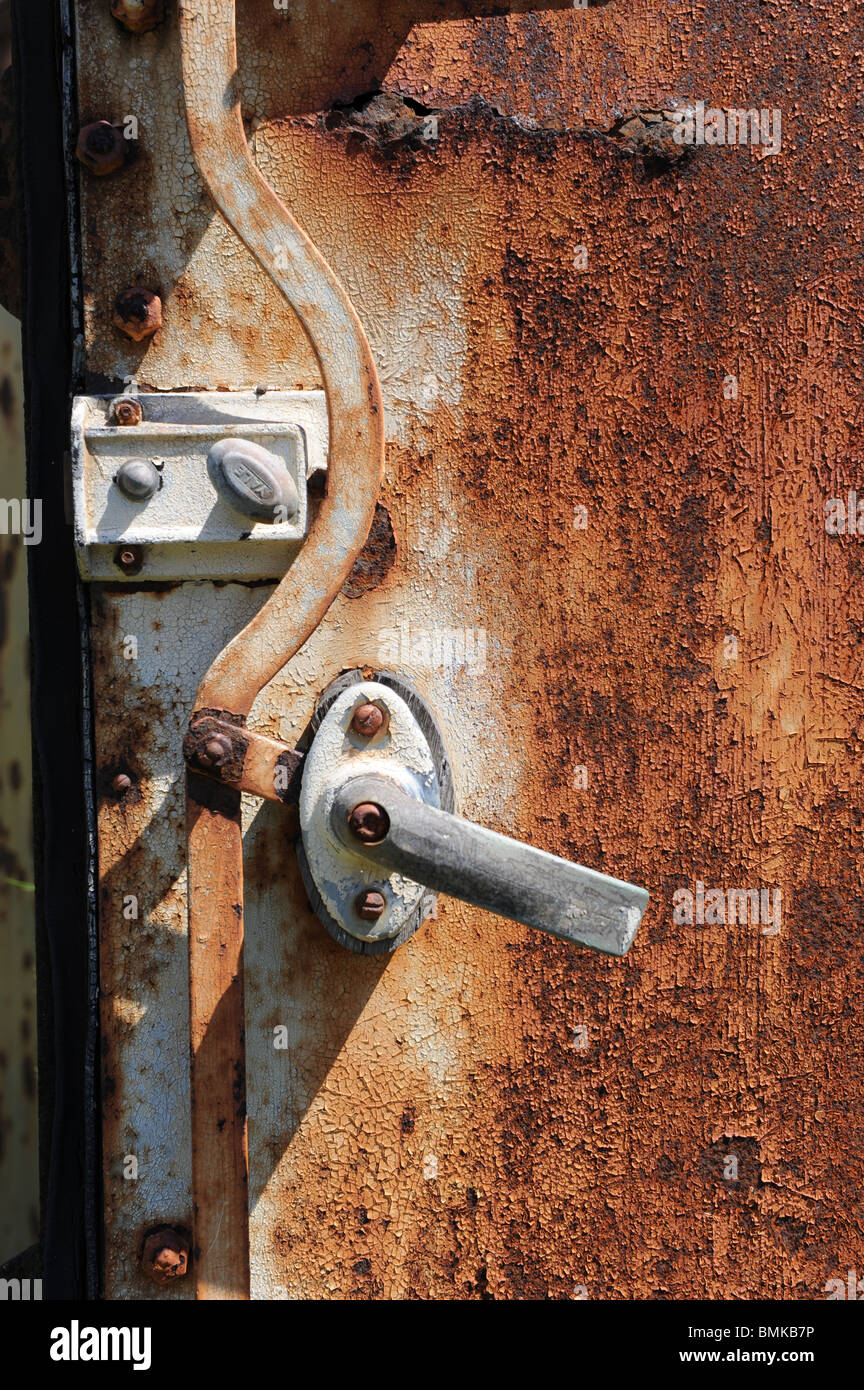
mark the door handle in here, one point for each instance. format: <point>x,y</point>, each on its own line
<point>378,833</point>
<point>378,820</point>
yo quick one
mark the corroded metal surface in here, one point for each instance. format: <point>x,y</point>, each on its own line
<point>19,1157</point>
<point>487,1114</point>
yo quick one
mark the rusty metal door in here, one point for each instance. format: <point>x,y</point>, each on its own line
<point>619,386</point>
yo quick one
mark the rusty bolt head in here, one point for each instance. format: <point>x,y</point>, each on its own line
<point>101,148</point>
<point>216,751</point>
<point>165,1256</point>
<point>138,15</point>
<point>138,313</point>
<point>368,720</point>
<point>369,823</point>
<point>126,410</point>
<point>370,905</point>
<point>129,559</point>
<point>121,784</point>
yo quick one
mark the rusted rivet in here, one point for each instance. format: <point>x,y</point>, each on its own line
<point>165,1256</point>
<point>138,15</point>
<point>129,559</point>
<point>369,823</point>
<point>101,148</point>
<point>370,905</point>
<point>121,784</point>
<point>368,720</point>
<point>216,751</point>
<point>125,410</point>
<point>138,312</point>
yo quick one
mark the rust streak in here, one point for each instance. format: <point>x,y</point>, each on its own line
<point>217,1040</point>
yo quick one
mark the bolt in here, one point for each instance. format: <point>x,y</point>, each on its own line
<point>121,784</point>
<point>126,410</point>
<point>165,1256</point>
<point>130,559</point>
<point>369,823</point>
<point>138,15</point>
<point>101,148</point>
<point>216,751</point>
<point>368,720</point>
<point>138,479</point>
<point>138,313</point>
<point>370,905</point>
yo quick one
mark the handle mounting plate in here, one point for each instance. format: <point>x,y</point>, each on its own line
<point>410,750</point>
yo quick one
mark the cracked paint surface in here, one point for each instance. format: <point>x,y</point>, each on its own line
<point>490,1113</point>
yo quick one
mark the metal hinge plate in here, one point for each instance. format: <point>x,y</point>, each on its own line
<point>187,529</point>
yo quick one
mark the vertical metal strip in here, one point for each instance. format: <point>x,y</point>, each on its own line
<point>217,1040</point>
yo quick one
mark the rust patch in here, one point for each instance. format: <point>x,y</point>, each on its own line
<point>384,119</point>
<point>651,136</point>
<point>376,559</point>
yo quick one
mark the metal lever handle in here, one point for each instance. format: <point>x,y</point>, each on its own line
<point>378,820</point>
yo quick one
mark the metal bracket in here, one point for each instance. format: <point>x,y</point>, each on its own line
<point>187,526</point>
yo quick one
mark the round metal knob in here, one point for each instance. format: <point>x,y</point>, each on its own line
<point>253,480</point>
<point>138,479</point>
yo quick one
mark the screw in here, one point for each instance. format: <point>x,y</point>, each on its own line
<point>125,410</point>
<point>101,148</point>
<point>121,784</point>
<point>370,905</point>
<point>130,559</point>
<point>138,15</point>
<point>216,751</point>
<point>369,823</point>
<point>368,720</point>
<point>138,313</point>
<point>165,1256</point>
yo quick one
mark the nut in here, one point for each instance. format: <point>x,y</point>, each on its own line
<point>101,148</point>
<point>129,559</point>
<point>165,1256</point>
<point>370,905</point>
<point>138,313</point>
<point>368,720</point>
<point>369,823</point>
<point>138,15</point>
<point>125,410</point>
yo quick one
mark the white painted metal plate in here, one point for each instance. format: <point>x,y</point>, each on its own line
<point>337,755</point>
<point>188,530</point>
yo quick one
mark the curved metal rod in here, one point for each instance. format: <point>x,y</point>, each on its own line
<point>249,662</point>
<point>356,419</point>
